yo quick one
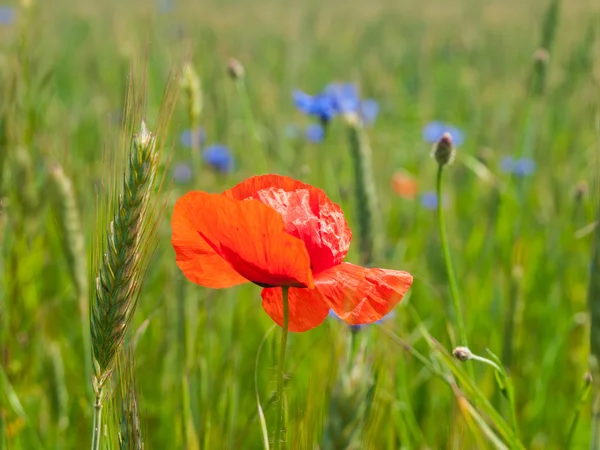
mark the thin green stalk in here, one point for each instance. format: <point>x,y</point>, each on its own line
<point>488,362</point>
<point>595,439</point>
<point>482,424</point>
<point>594,306</point>
<point>582,399</point>
<point>261,414</point>
<point>181,351</point>
<point>511,321</point>
<point>240,85</point>
<point>284,334</point>
<point>456,303</point>
<point>187,430</point>
<point>97,424</point>
<point>3,333</point>
<point>254,135</point>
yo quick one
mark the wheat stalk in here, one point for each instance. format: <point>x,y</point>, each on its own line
<point>130,435</point>
<point>123,253</point>
<point>122,269</point>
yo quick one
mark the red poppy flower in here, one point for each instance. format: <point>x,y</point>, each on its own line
<point>275,231</point>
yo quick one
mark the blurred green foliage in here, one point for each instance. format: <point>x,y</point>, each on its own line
<point>520,245</point>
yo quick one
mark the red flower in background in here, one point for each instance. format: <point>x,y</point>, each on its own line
<point>405,185</point>
<point>275,231</point>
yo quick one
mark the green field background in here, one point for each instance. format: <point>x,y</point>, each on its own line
<point>521,246</point>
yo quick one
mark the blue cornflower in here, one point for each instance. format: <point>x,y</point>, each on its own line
<point>520,167</point>
<point>429,200</point>
<point>385,318</point>
<point>433,132</point>
<point>182,173</point>
<point>186,137</point>
<point>345,97</point>
<point>336,99</point>
<point>7,15</point>
<point>347,101</point>
<point>321,105</point>
<point>219,157</point>
<point>315,133</point>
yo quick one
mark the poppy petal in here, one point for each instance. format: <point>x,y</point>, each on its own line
<point>251,186</point>
<point>198,261</point>
<point>307,310</point>
<point>359,295</point>
<point>307,212</point>
<point>247,235</point>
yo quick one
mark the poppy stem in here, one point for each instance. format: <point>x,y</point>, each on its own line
<point>284,333</point>
<point>456,303</point>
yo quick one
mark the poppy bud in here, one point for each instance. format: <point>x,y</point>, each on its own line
<point>462,353</point>
<point>235,69</point>
<point>588,378</point>
<point>444,152</point>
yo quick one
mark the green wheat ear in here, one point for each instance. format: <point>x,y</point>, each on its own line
<point>119,279</point>
<point>131,213</point>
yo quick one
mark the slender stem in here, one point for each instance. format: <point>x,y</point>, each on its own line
<point>97,430</point>
<point>284,333</point>
<point>240,84</point>
<point>456,303</point>
<point>595,439</point>
<point>449,267</point>
<point>582,400</point>
<point>594,311</point>
<point>511,323</point>
<point>489,363</point>
<point>261,414</point>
